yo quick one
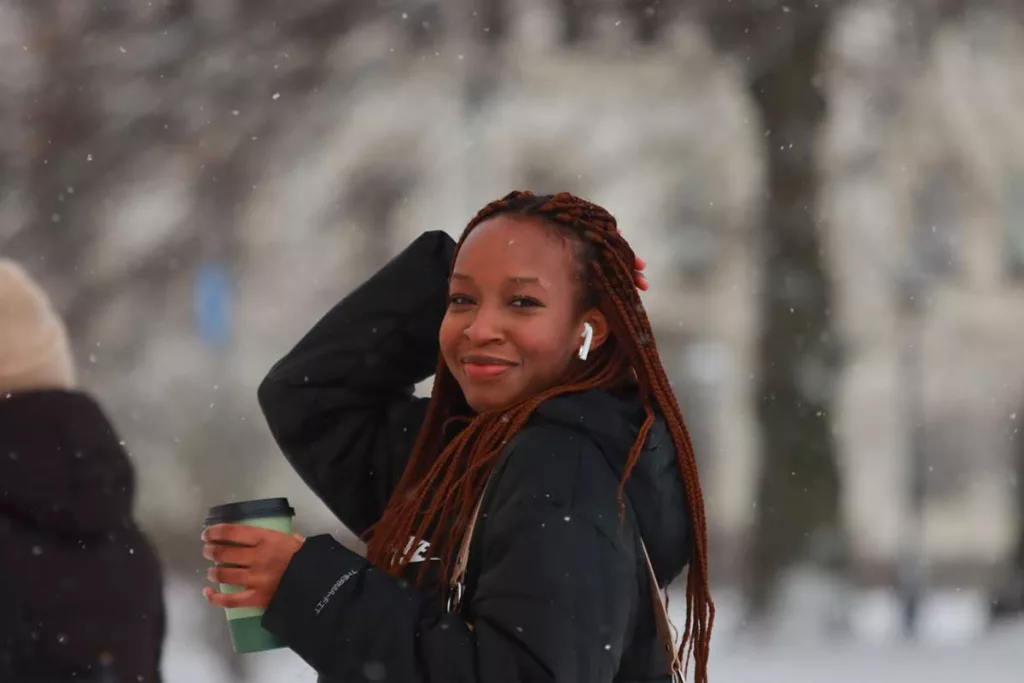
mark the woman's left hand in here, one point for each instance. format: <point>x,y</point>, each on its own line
<point>257,559</point>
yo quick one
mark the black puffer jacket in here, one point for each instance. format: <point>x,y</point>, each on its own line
<point>557,588</point>
<point>81,594</point>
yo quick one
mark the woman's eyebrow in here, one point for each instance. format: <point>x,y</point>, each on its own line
<point>518,279</point>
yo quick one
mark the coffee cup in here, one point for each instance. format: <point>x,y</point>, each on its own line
<point>247,635</point>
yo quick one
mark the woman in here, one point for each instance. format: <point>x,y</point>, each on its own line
<point>551,442</point>
<point>81,592</point>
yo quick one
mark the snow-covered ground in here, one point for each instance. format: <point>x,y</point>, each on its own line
<point>955,646</point>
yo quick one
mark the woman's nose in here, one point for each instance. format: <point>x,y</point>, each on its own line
<point>485,327</point>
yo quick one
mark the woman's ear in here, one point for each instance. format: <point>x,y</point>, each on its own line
<point>599,324</point>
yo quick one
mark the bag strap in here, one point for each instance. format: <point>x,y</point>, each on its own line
<point>664,625</point>
<point>666,631</point>
<point>457,584</point>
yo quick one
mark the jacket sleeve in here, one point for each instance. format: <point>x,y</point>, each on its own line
<point>340,405</point>
<point>555,600</point>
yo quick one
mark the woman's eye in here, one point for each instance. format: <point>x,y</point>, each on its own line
<point>525,302</point>
<point>459,300</point>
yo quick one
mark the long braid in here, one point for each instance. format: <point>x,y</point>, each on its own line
<point>446,474</point>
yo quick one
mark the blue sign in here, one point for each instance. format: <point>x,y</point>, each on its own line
<point>212,304</point>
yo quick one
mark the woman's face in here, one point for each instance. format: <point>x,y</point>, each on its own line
<point>513,322</point>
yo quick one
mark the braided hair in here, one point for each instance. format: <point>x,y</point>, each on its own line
<point>448,469</point>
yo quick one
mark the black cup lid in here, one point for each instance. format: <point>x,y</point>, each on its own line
<point>248,509</point>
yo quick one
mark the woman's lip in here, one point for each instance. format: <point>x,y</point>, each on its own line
<point>486,370</point>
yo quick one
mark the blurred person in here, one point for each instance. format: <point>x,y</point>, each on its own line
<point>508,516</point>
<point>80,587</point>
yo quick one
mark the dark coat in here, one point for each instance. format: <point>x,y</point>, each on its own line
<point>80,587</point>
<point>557,587</point>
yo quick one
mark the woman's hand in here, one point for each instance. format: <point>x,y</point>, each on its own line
<point>256,557</point>
<point>638,271</point>
<point>638,274</point>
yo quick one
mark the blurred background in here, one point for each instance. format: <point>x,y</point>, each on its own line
<point>830,197</point>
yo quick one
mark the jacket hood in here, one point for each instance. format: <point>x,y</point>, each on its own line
<point>654,490</point>
<point>62,466</point>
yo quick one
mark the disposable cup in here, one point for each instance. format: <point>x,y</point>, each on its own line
<point>247,635</point>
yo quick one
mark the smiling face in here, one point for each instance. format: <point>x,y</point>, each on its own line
<point>514,322</point>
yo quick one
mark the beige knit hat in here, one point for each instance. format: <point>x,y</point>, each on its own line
<point>34,351</point>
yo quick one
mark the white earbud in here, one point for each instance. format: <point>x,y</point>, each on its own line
<point>588,338</point>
